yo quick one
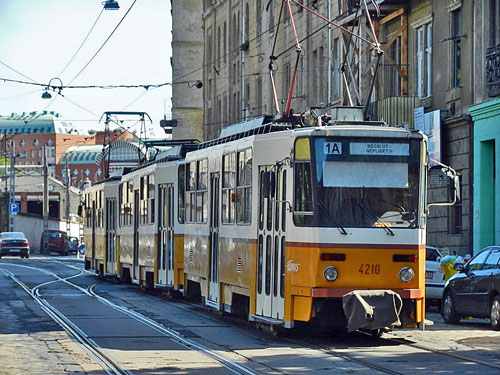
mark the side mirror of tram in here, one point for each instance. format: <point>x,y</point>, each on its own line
<point>441,175</point>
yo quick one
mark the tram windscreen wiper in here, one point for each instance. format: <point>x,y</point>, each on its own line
<point>331,218</point>
<point>379,220</point>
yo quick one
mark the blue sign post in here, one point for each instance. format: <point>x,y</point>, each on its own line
<point>14,208</point>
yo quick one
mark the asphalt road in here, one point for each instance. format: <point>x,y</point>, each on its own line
<point>31,342</point>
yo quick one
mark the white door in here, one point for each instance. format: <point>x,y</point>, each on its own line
<point>213,285</point>
<point>166,235</point>
<point>111,219</point>
<point>271,243</point>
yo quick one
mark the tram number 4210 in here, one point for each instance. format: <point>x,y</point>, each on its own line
<point>369,269</point>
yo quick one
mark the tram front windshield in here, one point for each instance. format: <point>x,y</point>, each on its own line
<point>363,183</point>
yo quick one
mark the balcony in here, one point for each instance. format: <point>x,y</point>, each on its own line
<point>395,111</point>
<point>493,71</point>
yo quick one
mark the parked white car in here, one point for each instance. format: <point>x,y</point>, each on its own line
<point>434,277</point>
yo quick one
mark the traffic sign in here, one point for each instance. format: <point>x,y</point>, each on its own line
<point>14,208</point>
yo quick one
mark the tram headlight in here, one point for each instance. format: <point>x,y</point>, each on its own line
<point>406,274</point>
<point>330,273</point>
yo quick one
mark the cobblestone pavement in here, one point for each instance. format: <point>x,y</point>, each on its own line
<point>471,337</point>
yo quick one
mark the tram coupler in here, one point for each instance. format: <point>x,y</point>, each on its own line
<point>372,309</point>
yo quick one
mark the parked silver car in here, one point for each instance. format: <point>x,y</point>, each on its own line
<point>73,244</point>
<point>14,243</point>
<point>434,277</point>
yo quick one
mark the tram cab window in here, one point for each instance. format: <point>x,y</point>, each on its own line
<point>303,199</point>
<point>244,187</point>
<point>372,182</point>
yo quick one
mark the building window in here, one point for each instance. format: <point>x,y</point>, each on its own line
<point>456,30</point>
<point>494,30</point>
<point>224,51</point>
<point>258,18</point>
<point>424,60</point>
<point>336,68</point>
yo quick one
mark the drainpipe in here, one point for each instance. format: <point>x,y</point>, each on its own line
<point>330,54</point>
<point>243,28</point>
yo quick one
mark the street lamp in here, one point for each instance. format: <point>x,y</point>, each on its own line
<point>111,5</point>
<point>46,94</point>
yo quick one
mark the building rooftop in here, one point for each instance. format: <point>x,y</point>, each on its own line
<point>37,123</point>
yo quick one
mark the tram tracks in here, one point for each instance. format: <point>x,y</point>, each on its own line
<point>329,351</point>
<point>109,364</point>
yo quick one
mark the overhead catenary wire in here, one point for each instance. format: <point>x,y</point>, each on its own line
<point>102,46</point>
<point>81,45</point>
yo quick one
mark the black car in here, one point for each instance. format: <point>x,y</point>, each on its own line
<point>14,243</point>
<point>475,290</point>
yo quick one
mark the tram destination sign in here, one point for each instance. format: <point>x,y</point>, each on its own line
<point>376,148</point>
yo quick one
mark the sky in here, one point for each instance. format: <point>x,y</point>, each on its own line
<point>38,38</point>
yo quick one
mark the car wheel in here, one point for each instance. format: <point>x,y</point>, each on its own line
<point>448,312</point>
<point>495,313</point>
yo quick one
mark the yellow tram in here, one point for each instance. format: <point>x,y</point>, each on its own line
<point>287,224</point>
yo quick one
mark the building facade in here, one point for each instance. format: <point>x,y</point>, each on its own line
<point>438,60</point>
<point>187,69</point>
<point>486,116</point>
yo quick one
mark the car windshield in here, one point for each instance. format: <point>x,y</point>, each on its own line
<point>432,254</point>
<point>12,235</point>
<point>55,235</point>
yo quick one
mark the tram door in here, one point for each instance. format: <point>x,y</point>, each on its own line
<point>111,235</point>
<point>166,234</point>
<point>137,216</point>
<point>213,285</point>
<point>271,243</point>
<point>94,211</point>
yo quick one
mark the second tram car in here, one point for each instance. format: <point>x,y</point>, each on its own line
<point>289,224</point>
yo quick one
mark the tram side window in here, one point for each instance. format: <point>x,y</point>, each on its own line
<point>228,185</point>
<point>202,192</point>
<point>88,211</point>
<point>181,194</point>
<point>147,193</point>
<point>126,190</point>
<point>303,211</point>
<point>100,209</point>
<point>190,192</point>
<point>244,187</point>
<point>143,205</point>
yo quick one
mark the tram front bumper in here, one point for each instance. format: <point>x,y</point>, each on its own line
<point>372,309</point>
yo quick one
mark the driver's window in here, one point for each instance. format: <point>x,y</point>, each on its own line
<point>492,261</point>
<point>477,262</point>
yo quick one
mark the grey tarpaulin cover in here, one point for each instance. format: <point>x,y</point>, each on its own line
<point>371,309</point>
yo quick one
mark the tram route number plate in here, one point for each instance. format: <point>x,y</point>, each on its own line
<point>429,274</point>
